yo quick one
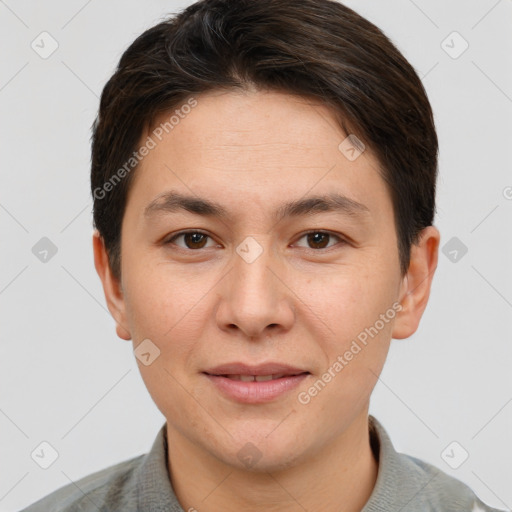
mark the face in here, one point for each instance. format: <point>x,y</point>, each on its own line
<point>284,252</point>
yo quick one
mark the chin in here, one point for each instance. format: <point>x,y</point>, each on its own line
<point>271,463</point>
<point>258,454</point>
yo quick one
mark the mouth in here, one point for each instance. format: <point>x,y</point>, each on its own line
<point>256,378</point>
<point>269,370</point>
<point>255,384</point>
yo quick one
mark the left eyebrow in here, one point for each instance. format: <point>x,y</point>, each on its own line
<point>170,202</point>
<point>334,202</point>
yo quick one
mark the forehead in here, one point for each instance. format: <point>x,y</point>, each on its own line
<point>264,122</point>
<point>256,145</point>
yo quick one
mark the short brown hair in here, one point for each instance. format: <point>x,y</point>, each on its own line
<point>315,48</point>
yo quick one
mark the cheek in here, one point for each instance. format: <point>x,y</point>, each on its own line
<point>356,316</point>
<point>167,310</point>
<point>355,346</point>
<point>160,301</point>
<point>346,301</point>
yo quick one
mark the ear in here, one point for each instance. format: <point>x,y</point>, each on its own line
<point>415,286</point>
<point>111,286</point>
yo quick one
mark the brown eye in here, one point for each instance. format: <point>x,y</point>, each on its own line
<point>192,239</point>
<point>320,239</point>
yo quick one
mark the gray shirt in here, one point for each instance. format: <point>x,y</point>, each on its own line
<point>404,484</point>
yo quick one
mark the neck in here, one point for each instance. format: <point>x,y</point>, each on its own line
<point>341,476</point>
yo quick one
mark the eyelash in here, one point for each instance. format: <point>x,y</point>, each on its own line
<point>342,241</point>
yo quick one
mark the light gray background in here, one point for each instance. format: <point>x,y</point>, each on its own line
<point>66,378</point>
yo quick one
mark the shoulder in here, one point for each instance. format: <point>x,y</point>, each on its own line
<point>112,488</point>
<point>409,484</point>
<point>440,491</point>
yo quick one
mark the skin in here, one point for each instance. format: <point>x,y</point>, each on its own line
<point>298,303</point>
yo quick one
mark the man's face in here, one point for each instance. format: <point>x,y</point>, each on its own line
<point>252,286</point>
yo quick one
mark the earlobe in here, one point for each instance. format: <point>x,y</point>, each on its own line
<point>416,284</point>
<point>122,332</point>
<point>111,286</point>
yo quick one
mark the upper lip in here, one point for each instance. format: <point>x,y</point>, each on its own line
<point>270,368</point>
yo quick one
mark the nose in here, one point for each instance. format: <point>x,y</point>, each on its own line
<point>254,298</point>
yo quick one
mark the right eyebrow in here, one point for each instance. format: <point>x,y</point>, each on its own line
<point>170,202</point>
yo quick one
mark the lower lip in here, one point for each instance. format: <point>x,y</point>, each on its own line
<point>256,392</point>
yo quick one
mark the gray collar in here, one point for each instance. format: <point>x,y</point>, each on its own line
<point>400,481</point>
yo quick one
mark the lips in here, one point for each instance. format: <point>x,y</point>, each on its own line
<point>258,373</point>
<point>258,384</point>
<point>255,378</point>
